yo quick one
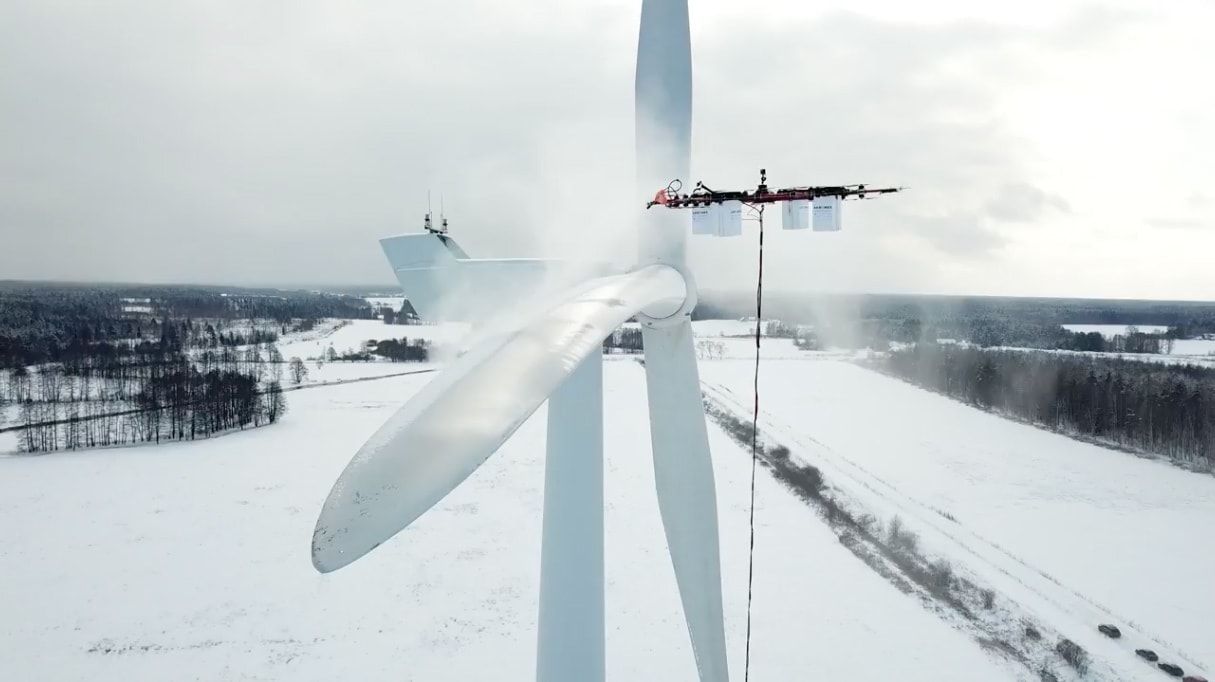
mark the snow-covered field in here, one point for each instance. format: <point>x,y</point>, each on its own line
<point>190,560</point>
<point>1194,347</point>
<point>1080,535</point>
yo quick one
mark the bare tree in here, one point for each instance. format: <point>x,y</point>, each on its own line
<point>299,371</point>
<point>19,384</point>
<point>274,404</point>
<point>276,362</point>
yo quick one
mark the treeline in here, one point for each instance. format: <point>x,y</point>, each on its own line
<point>1191,317</point>
<point>991,331</point>
<point>1192,329</point>
<point>624,340</point>
<point>403,350</point>
<point>395,350</point>
<point>629,340</point>
<point>1158,408</point>
<point>58,323</point>
<point>985,332</point>
<point>876,321</point>
<point>1133,341</point>
<point>182,301</point>
<point>148,338</point>
<point>405,315</point>
<point>107,401</point>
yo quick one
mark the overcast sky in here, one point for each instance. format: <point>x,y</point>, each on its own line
<point>1051,147</point>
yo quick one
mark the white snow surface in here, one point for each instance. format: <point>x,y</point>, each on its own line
<point>1194,347</point>
<point>191,561</point>
<point>1078,534</point>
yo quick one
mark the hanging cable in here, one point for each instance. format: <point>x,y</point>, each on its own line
<point>759,320</point>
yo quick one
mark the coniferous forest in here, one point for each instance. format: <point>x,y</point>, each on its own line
<point>875,320</point>
<point>1151,407</point>
<point>61,322</point>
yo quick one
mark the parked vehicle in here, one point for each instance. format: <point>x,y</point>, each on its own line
<point>1171,669</point>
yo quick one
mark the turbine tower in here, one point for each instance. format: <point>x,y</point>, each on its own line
<point>461,418</point>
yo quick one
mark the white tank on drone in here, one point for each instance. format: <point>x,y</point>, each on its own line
<point>729,219</point>
<point>704,220</point>
<point>718,220</point>
<point>826,214</point>
<point>795,215</point>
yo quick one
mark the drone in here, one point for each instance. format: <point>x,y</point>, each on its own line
<point>702,195</point>
<point>719,213</point>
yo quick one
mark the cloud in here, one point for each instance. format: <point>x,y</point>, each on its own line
<point>237,142</point>
<point>852,99</point>
<point>966,235</point>
<point>1176,223</point>
<point>220,142</point>
<point>1023,203</point>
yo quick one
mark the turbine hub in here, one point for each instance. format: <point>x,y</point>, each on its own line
<point>664,314</point>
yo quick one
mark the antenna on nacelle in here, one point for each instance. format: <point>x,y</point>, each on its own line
<point>428,223</point>
<point>719,213</point>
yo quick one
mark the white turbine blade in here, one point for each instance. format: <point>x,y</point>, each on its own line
<point>683,474</point>
<point>663,92</point>
<point>663,123</point>
<point>453,425</point>
<point>570,629</point>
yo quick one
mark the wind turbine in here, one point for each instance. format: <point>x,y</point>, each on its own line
<point>460,419</point>
<point>554,354</point>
